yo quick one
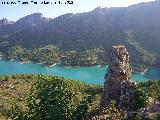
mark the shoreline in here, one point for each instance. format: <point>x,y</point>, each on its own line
<point>25,62</point>
<point>139,70</point>
<point>85,66</point>
<point>44,65</point>
<point>143,72</point>
<point>61,65</point>
<point>50,66</point>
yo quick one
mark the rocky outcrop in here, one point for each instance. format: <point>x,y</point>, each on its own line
<point>118,85</point>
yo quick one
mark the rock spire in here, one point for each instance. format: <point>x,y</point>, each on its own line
<point>117,79</point>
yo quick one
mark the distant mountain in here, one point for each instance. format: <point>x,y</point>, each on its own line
<point>136,26</point>
<point>4,21</point>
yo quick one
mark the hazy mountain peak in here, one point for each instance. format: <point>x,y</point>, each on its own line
<point>4,21</point>
<point>33,19</point>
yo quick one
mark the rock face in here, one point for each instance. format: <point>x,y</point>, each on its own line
<point>118,85</point>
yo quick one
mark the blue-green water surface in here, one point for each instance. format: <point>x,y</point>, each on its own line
<point>86,74</point>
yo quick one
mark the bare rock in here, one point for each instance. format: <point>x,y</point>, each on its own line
<point>118,85</point>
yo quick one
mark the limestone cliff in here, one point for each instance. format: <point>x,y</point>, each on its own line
<point>117,84</point>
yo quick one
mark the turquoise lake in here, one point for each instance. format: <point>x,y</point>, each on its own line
<point>93,75</point>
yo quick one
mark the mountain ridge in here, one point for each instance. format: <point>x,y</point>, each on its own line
<point>102,27</point>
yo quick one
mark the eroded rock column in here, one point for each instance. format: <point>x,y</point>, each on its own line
<point>117,76</point>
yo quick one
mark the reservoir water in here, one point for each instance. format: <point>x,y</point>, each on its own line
<point>93,75</point>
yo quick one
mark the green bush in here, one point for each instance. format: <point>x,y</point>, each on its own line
<point>54,98</point>
<point>140,99</point>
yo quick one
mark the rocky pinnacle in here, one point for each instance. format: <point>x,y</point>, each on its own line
<point>119,72</point>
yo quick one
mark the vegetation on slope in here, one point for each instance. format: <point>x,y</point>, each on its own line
<point>89,57</point>
<point>147,57</point>
<point>51,54</point>
<point>47,55</point>
<point>32,97</point>
<point>46,97</point>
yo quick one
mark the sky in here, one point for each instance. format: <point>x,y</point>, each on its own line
<point>16,11</point>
